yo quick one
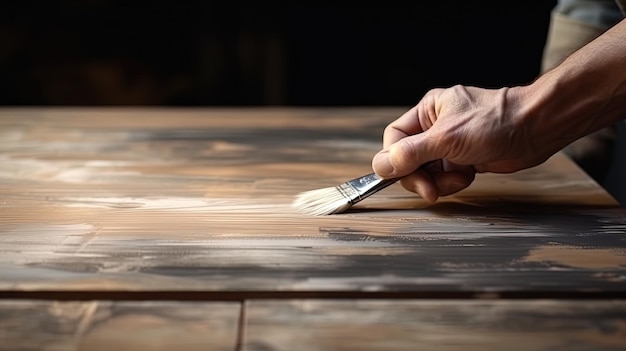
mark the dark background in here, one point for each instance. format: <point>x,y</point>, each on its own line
<point>245,53</point>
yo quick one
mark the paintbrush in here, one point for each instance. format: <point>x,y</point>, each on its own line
<point>337,199</point>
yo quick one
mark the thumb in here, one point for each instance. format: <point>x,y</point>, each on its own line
<point>405,156</point>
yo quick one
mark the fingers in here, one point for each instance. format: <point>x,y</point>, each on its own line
<point>449,183</point>
<point>414,121</point>
<point>438,179</point>
<point>405,125</point>
<point>406,155</point>
<point>421,183</point>
<point>410,144</point>
<point>404,146</point>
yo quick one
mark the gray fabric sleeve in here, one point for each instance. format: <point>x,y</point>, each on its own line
<point>600,14</point>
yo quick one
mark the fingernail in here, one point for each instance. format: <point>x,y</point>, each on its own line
<point>382,165</point>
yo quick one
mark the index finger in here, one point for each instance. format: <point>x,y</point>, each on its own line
<point>413,121</point>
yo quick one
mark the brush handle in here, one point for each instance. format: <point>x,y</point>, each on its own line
<point>362,187</point>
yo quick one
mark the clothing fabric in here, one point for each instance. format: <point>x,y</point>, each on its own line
<point>600,14</point>
<point>574,23</point>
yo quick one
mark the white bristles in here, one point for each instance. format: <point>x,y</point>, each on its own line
<point>341,197</point>
<point>321,202</point>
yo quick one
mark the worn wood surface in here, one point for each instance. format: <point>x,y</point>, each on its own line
<point>120,326</point>
<point>435,325</point>
<point>198,200</point>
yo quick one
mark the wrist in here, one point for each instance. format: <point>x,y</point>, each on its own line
<point>566,104</point>
<point>583,94</point>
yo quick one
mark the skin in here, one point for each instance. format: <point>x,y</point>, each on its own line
<point>468,130</point>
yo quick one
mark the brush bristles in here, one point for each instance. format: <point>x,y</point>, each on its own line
<point>321,202</point>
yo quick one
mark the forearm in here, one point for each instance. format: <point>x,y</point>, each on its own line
<point>583,94</point>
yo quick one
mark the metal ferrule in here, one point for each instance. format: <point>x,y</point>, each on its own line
<point>360,188</point>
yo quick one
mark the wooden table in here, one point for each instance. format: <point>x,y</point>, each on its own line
<point>154,228</point>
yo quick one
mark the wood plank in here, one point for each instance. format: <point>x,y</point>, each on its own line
<point>110,199</point>
<point>433,325</point>
<point>106,325</point>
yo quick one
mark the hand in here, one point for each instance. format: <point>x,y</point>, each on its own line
<point>465,130</point>
<point>471,130</point>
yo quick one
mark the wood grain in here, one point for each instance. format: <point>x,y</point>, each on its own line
<point>450,325</point>
<point>120,326</point>
<point>198,200</point>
